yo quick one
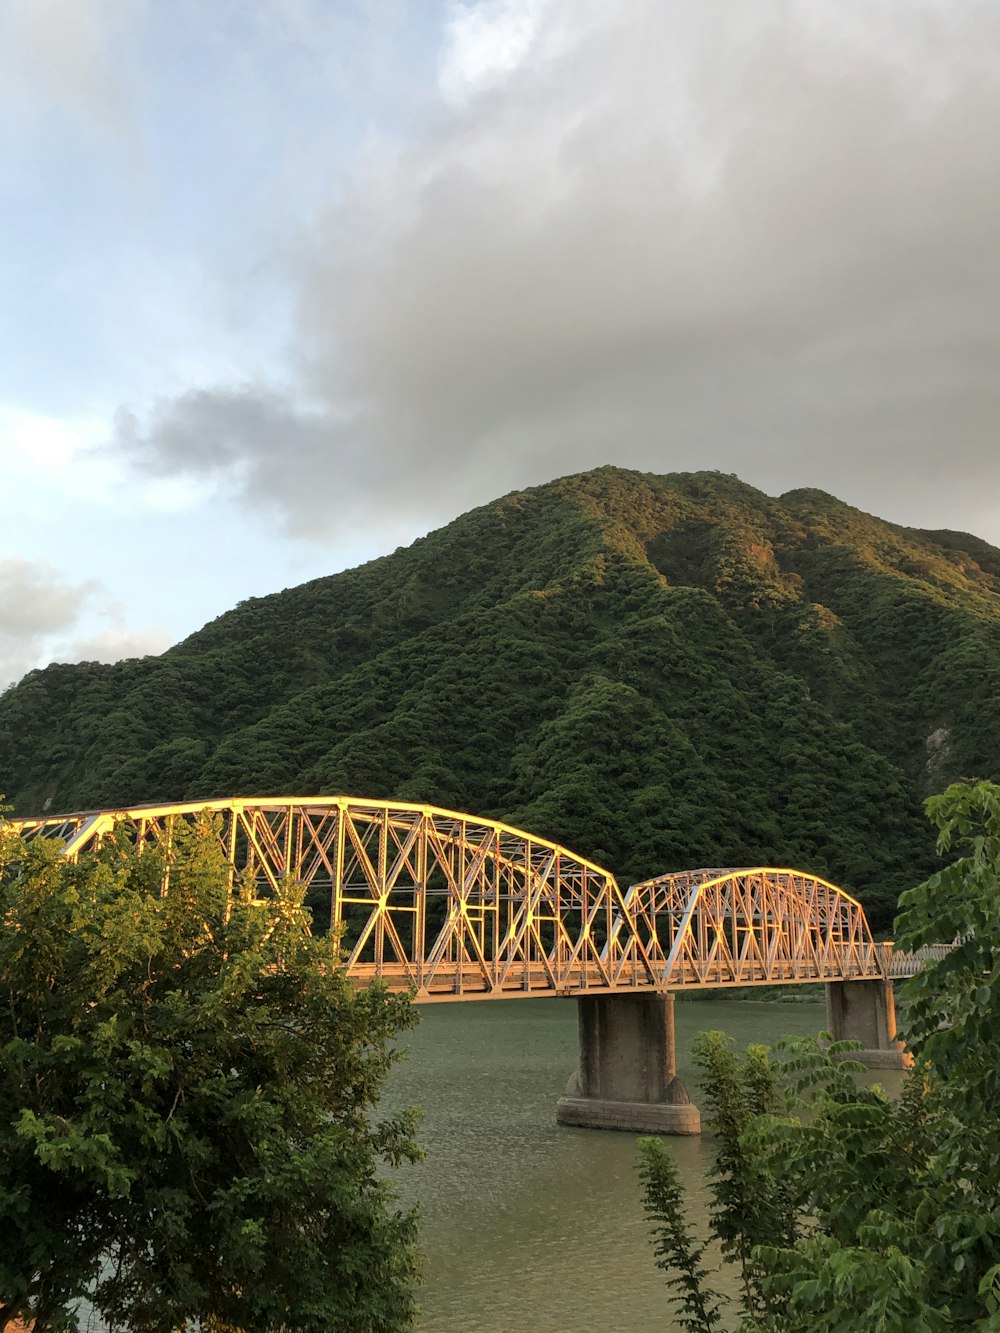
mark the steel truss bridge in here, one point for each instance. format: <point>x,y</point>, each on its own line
<point>454,907</point>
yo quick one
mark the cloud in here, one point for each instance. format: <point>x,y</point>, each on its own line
<point>484,44</point>
<point>758,237</point>
<point>40,612</point>
<point>51,460</point>
<point>248,442</point>
<point>63,56</point>
<point>115,643</point>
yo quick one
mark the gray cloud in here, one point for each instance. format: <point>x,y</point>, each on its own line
<point>757,236</point>
<point>247,442</point>
<point>41,615</point>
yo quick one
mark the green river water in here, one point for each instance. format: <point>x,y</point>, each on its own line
<point>526,1225</point>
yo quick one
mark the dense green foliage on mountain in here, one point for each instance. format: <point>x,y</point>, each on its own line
<point>662,672</point>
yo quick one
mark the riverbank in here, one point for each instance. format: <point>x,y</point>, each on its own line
<point>809,993</point>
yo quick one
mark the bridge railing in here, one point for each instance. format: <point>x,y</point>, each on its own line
<point>900,963</point>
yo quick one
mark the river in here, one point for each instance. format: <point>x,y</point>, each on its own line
<point>525,1224</point>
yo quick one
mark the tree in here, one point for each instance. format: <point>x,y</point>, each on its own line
<point>188,1132</point>
<point>890,1207</point>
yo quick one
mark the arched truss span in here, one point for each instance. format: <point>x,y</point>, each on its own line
<point>458,907</point>
<point>749,927</point>
<point>454,906</point>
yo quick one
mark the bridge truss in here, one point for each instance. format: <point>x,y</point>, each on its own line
<point>454,907</point>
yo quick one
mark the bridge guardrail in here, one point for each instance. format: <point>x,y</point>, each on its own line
<point>900,963</point>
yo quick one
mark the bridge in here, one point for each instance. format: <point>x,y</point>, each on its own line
<point>448,906</point>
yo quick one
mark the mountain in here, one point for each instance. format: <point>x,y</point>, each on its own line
<point>660,671</point>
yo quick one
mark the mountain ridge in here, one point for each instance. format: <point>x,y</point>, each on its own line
<point>658,671</point>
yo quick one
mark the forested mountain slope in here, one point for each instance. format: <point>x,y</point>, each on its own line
<point>662,672</point>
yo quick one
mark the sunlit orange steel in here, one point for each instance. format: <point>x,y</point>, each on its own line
<point>749,927</point>
<point>454,907</point>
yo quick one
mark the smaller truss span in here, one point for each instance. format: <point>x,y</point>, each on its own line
<point>752,926</point>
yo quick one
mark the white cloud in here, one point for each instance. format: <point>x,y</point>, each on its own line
<point>53,459</point>
<point>41,613</point>
<point>115,643</point>
<point>485,43</point>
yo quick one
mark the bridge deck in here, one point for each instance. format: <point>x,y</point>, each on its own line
<point>468,983</point>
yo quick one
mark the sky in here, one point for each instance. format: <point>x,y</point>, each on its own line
<point>285,284</point>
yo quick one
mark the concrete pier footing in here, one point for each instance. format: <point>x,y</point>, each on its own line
<point>627,1076</point>
<point>865,1011</point>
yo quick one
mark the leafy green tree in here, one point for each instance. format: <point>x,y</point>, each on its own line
<point>751,1203</point>
<point>698,1307</point>
<point>890,1206</point>
<point>188,1125</point>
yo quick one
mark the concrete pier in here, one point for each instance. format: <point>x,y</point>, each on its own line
<point>865,1011</point>
<point>627,1076</point>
